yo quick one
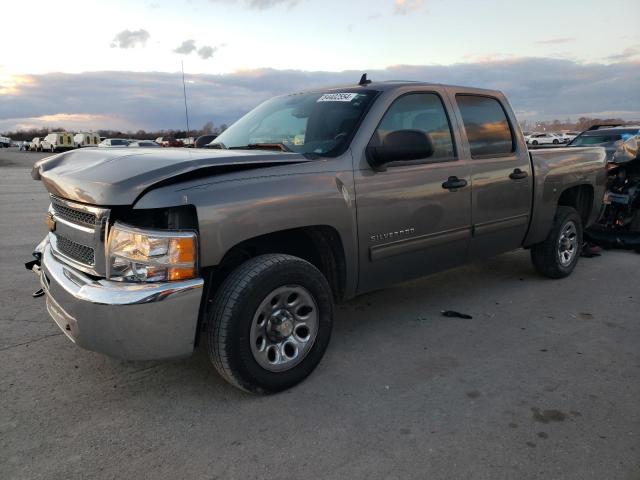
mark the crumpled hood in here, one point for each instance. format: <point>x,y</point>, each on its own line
<point>107,177</point>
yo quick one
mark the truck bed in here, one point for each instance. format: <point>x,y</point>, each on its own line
<point>554,171</point>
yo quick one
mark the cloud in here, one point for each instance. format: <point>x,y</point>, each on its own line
<point>261,4</point>
<point>130,39</point>
<point>186,47</point>
<point>207,52</point>
<point>556,41</point>
<point>405,7</point>
<point>627,54</point>
<point>538,89</point>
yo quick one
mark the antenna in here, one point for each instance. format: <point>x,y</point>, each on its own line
<point>364,80</point>
<point>184,90</point>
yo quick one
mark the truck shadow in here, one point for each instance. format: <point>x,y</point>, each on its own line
<point>365,328</point>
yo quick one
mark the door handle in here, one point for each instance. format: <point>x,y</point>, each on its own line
<point>518,174</point>
<point>454,183</point>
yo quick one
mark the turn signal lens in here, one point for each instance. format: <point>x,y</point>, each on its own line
<point>180,273</point>
<point>182,250</point>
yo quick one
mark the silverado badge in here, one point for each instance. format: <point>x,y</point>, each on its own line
<point>51,222</point>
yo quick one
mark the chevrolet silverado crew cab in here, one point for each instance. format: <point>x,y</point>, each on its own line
<point>307,200</point>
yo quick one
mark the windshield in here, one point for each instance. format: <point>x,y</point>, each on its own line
<point>309,123</point>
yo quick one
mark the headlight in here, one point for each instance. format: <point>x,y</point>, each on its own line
<point>137,255</point>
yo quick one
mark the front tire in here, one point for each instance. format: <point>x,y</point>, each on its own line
<point>558,255</point>
<point>535,142</point>
<point>270,324</point>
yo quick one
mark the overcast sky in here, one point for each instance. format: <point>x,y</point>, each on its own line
<point>92,64</point>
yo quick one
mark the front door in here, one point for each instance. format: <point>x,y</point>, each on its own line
<point>414,218</point>
<point>500,174</point>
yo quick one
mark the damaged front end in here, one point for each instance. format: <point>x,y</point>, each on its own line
<point>619,223</point>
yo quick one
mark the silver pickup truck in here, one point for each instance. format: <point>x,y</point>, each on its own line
<point>307,200</point>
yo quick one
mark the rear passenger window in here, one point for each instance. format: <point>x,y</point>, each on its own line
<point>424,112</point>
<point>486,124</point>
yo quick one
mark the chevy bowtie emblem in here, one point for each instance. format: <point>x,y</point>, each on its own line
<point>51,222</point>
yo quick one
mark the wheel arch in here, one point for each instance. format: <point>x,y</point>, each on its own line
<point>579,197</point>
<point>320,245</point>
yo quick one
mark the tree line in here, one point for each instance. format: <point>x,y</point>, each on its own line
<point>583,123</point>
<point>207,129</point>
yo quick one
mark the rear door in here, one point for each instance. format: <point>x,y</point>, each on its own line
<point>409,224</point>
<point>501,174</point>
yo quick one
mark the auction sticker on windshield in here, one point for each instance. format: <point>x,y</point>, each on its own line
<point>337,97</point>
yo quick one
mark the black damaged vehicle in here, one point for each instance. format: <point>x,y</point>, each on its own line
<point>619,223</point>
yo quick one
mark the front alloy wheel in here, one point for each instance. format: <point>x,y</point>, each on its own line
<point>270,324</point>
<point>284,328</point>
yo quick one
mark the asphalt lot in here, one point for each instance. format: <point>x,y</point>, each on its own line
<point>543,382</point>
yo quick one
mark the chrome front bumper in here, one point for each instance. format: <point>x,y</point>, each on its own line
<point>124,320</point>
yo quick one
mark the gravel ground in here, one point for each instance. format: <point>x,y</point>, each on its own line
<point>543,382</point>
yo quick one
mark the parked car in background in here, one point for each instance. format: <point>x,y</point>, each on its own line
<point>5,142</point>
<point>169,142</point>
<point>617,141</point>
<point>188,142</point>
<point>143,144</point>
<point>308,199</point>
<point>36,144</point>
<point>114,143</point>
<point>203,140</point>
<point>544,139</point>
<point>57,141</point>
<point>568,136</point>
<point>84,139</point>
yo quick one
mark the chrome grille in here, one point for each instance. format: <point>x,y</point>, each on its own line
<point>75,251</point>
<point>78,235</point>
<point>72,215</point>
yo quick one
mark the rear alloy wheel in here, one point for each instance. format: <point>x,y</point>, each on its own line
<point>558,255</point>
<point>271,323</point>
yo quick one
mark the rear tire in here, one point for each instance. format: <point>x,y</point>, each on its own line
<point>535,142</point>
<point>262,314</point>
<point>558,255</point>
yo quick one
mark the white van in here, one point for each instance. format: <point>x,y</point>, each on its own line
<point>35,145</point>
<point>57,141</point>
<point>84,139</point>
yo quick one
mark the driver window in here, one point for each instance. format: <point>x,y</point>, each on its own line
<point>424,112</point>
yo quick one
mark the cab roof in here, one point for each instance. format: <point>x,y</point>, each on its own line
<point>389,85</point>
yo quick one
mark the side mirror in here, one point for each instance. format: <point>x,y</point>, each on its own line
<point>401,145</point>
